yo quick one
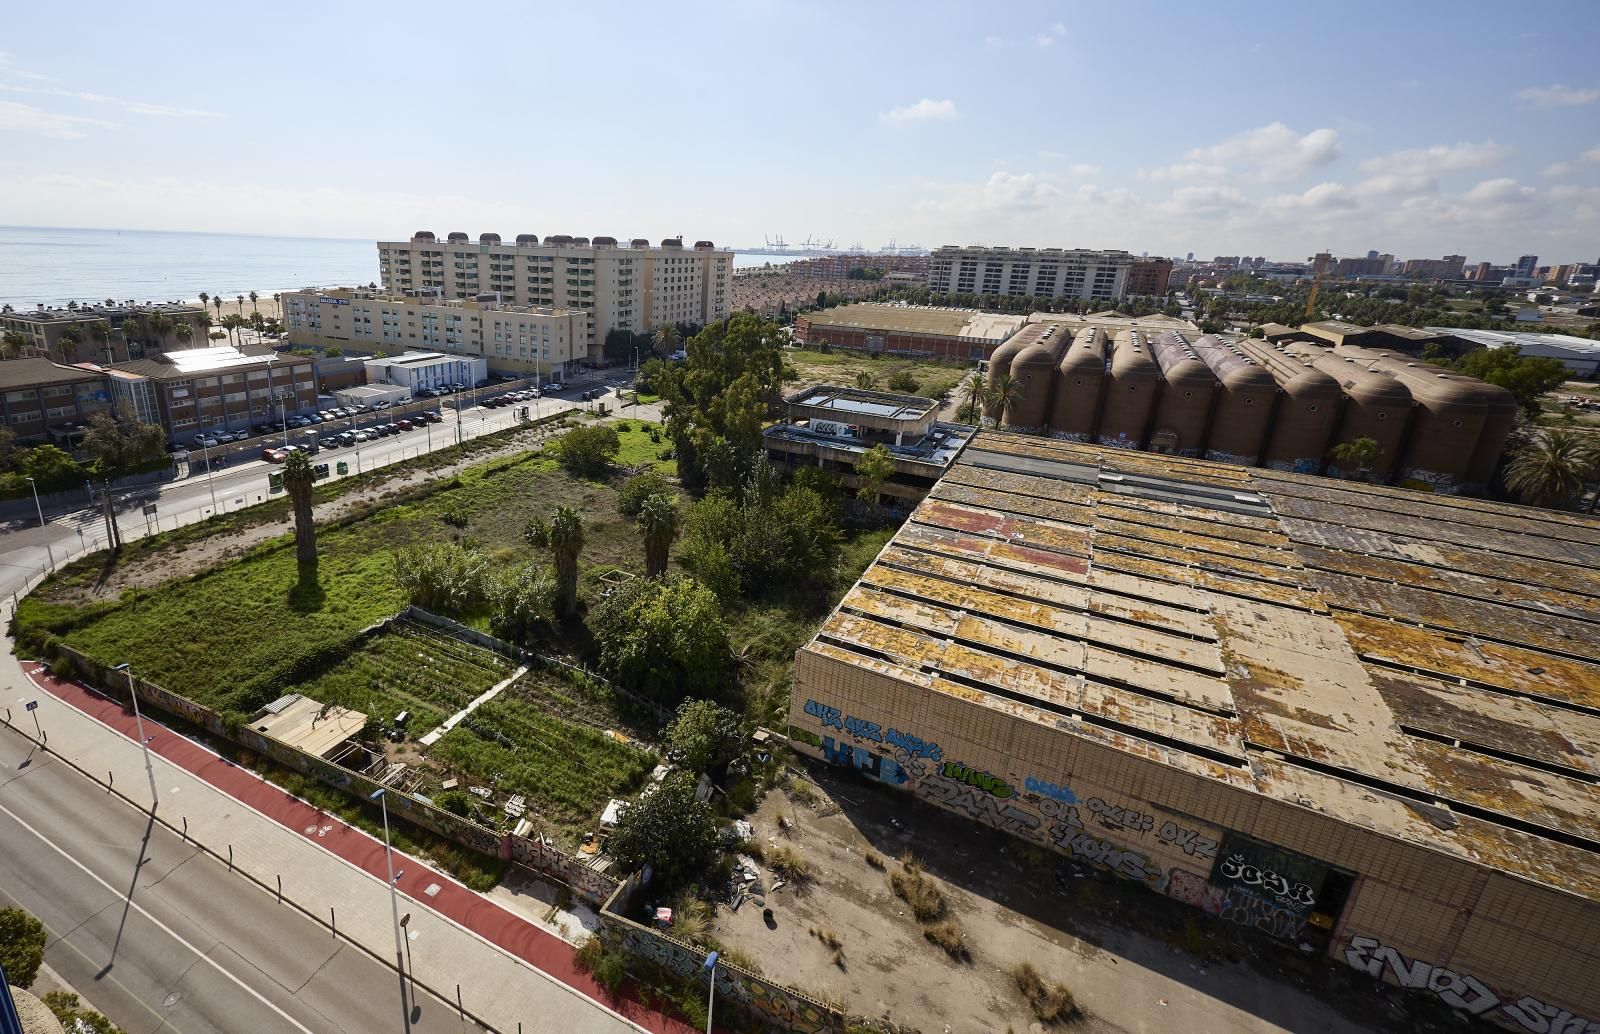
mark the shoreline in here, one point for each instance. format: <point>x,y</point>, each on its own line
<point>264,302</point>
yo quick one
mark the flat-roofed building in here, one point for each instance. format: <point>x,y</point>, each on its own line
<point>1042,272</point>
<point>625,285</point>
<point>191,390</point>
<point>1580,355</point>
<point>45,401</point>
<point>1149,277</point>
<point>524,340</point>
<point>1358,720</point>
<point>832,427</point>
<point>413,370</point>
<point>103,333</point>
<point>964,334</point>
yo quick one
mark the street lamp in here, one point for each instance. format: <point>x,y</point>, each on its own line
<point>205,452</point>
<point>711,998</point>
<point>40,510</point>
<point>381,796</point>
<point>410,966</point>
<point>144,743</point>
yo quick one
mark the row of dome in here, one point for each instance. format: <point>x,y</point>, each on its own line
<point>1248,402</point>
<point>427,237</point>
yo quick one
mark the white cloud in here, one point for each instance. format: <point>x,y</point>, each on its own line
<point>25,118</point>
<point>1557,169</point>
<point>1184,172</point>
<point>1274,151</point>
<point>1398,183</point>
<point>1048,37</point>
<point>1428,161</point>
<point>135,107</point>
<point>1324,197</point>
<point>1083,169</point>
<point>925,110</point>
<point>1503,190</point>
<point>1205,200</point>
<point>1556,95</point>
<point>1591,155</point>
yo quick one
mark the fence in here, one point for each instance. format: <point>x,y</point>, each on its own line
<point>772,1004</point>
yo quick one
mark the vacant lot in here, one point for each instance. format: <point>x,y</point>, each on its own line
<point>934,377</point>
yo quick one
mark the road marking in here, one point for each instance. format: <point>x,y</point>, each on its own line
<point>163,927</point>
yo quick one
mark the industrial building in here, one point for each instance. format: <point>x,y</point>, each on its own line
<point>629,285</point>
<point>930,330</point>
<point>1283,406</point>
<point>1041,272</point>
<point>1580,355</point>
<point>832,428</point>
<point>1362,721</point>
<point>414,370</point>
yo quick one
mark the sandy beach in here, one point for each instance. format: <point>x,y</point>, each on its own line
<point>264,303</point>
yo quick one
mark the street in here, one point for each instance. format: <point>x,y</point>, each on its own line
<point>160,936</point>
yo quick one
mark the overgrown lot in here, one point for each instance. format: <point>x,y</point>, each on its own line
<point>934,377</point>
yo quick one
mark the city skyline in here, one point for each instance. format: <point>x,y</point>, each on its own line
<point>1418,132</point>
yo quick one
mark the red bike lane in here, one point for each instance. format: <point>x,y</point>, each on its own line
<point>427,887</point>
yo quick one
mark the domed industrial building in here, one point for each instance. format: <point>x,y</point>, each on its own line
<point>1285,406</point>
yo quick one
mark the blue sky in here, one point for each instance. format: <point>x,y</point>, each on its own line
<point>1413,128</point>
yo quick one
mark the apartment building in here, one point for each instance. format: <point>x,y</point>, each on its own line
<point>525,340</point>
<point>1447,268</point>
<point>1043,272</point>
<point>1149,276</point>
<point>109,333</point>
<point>44,401</point>
<point>630,286</point>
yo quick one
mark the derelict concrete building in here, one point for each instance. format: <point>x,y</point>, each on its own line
<point>1347,716</point>
<point>1284,406</point>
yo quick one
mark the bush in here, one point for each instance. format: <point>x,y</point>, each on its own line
<point>22,940</point>
<point>522,604</point>
<point>587,451</point>
<point>635,490</point>
<point>904,381</point>
<point>919,891</point>
<point>669,830</point>
<point>705,734</point>
<point>1051,1003</point>
<point>664,638</point>
<point>874,859</point>
<point>456,802</point>
<point>69,1012</point>
<point>607,967</point>
<point>948,935</point>
<point>445,578</point>
<point>788,863</point>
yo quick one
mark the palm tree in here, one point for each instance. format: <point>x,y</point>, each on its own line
<point>67,344</point>
<point>865,380</point>
<point>204,298</point>
<point>658,523</point>
<point>1004,393</point>
<point>183,331</point>
<point>133,335</point>
<point>977,392</point>
<point>100,330</point>
<point>667,339</point>
<point>253,307</point>
<point>160,326</point>
<point>12,344</point>
<point>231,323</point>
<point>298,479</point>
<point>241,304</point>
<point>217,301</point>
<point>563,537</point>
<point>1551,469</point>
<point>1355,456</point>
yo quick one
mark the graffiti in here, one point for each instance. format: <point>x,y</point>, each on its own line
<point>1068,834</point>
<point>1045,788</point>
<point>978,804</point>
<point>877,766</point>
<point>988,782</point>
<point>1195,890</point>
<point>1190,841</point>
<point>863,729</point>
<point>828,716</point>
<point>805,736</point>
<point>915,746</point>
<point>1236,869</point>
<point>1234,905</point>
<point>1548,1019</point>
<point>860,728</point>
<point>1116,815</point>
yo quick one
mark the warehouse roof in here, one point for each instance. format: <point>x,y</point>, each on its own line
<point>1425,666</point>
<point>918,319</point>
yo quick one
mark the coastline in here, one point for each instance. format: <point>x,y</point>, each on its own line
<point>264,303</point>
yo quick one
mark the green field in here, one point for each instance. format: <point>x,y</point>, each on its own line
<point>934,377</point>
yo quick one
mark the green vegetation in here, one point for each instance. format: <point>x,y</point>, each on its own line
<point>68,1008</point>
<point>1355,456</point>
<point>21,946</point>
<point>670,831</point>
<point>119,444</point>
<point>1550,467</point>
<point>638,488</point>
<point>1526,377</point>
<point>874,468</point>
<point>664,639</point>
<point>930,378</point>
<point>587,451</point>
<point>704,735</point>
<point>770,536</point>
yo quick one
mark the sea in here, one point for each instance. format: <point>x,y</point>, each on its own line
<point>49,266</point>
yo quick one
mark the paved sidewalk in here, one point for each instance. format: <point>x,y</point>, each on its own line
<point>511,974</point>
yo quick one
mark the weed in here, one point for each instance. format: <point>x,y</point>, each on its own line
<point>919,891</point>
<point>827,936</point>
<point>802,791</point>
<point>607,967</point>
<point>874,859</point>
<point>691,919</point>
<point>788,863</point>
<point>1051,1003</point>
<point>947,934</point>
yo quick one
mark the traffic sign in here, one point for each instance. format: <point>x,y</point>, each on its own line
<point>33,705</point>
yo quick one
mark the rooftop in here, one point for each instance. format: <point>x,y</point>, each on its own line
<point>191,362</point>
<point>305,724</point>
<point>115,312</point>
<point>918,319</point>
<point>27,373</point>
<point>1526,339</point>
<point>1424,666</point>
<point>846,403</point>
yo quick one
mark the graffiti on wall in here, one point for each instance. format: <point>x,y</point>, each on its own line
<point>1463,991</point>
<point>860,728</point>
<point>1233,905</point>
<point>1265,886</point>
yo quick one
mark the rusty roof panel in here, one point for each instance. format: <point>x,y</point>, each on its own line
<point>1204,579</point>
<point>1065,493</point>
<point>1064,538</point>
<point>1187,539</point>
<point>1012,503</point>
<point>1182,557</point>
<point>1233,527</point>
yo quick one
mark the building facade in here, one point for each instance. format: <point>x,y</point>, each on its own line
<point>1447,268</point>
<point>1042,272</point>
<point>524,340</point>
<point>413,370</point>
<point>1149,277</point>
<point>202,389</point>
<point>879,329</point>
<point>108,333</point>
<point>45,401</point>
<point>634,286</point>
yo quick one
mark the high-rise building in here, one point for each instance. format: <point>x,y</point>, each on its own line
<point>1481,272</point>
<point>1320,263</point>
<point>1526,265</point>
<point>1044,272</point>
<point>1149,277</point>
<point>634,286</point>
<point>1447,268</point>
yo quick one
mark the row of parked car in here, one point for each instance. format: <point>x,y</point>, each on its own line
<point>345,439</point>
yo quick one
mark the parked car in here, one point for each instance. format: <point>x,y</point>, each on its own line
<point>431,416</point>
<point>328,442</point>
<point>385,404</point>
<point>404,425</point>
<point>424,393</point>
<point>205,441</point>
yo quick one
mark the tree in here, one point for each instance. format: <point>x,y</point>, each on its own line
<point>68,344</point>
<point>873,468</point>
<point>665,638</point>
<point>119,444</point>
<point>770,540</point>
<point>204,298</point>
<point>184,332</point>
<point>132,334</point>
<point>640,487</point>
<point>446,578</point>
<point>658,524</point>
<point>904,381</point>
<point>865,380</point>
<point>670,831</point>
<point>522,604</point>
<point>587,451</point>
<point>704,735</point>
<point>253,306</point>
<point>22,940</point>
<point>976,391</point>
<point>563,537</point>
<point>160,326</point>
<point>298,480</point>
<point>1355,456</point>
<point>1550,469</point>
<point>52,469</point>
<point>1004,393</point>
<point>666,340</point>
<point>12,344</point>
<point>100,331</point>
<point>1527,377</point>
<point>217,301</point>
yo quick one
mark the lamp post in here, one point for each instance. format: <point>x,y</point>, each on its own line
<point>40,511</point>
<point>411,967</point>
<point>711,997</point>
<point>205,452</point>
<point>144,743</point>
<point>380,795</point>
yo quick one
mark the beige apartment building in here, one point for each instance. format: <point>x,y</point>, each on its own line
<point>631,286</point>
<point>1043,272</point>
<point>1357,720</point>
<point>525,340</point>
<point>104,333</point>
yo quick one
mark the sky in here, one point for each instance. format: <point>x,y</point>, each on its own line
<point>1414,128</point>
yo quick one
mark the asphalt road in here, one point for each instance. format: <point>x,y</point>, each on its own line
<point>161,937</point>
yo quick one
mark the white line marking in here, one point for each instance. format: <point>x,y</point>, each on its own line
<point>163,927</point>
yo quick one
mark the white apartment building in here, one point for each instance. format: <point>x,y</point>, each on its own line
<point>1044,272</point>
<point>524,340</point>
<point>629,286</point>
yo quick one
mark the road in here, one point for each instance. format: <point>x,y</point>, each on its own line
<point>160,936</point>
<point>27,550</point>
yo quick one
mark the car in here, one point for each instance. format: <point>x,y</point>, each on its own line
<point>205,441</point>
<point>346,439</point>
<point>424,393</point>
<point>404,425</point>
<point>404,400</point>
<point>261,428</point>
<point>273,454</point>
<point>363,436</point>
<point>385,404</point>
<point>432,416</point>
<point>554,386</point>
<point>328,442</point>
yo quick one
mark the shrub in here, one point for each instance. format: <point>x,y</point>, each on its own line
<point>904,381</point>
<point>664,638</point>
<point>444,578</point>
<point>455,514</point>
<point>522,603</point>
<point>788,863</point>
<point>1051,1003</point>
<point>705,735</point>
<point>802,791</point>
<point>21,945</point>
<point>69,1011</point>
<point>587,451</point>
<point>669,830</point>
<point>874,859</point>
<point>919,891</point>
<point>605,966</point>
<point>635,490</point>
<point>456,802</point>
<point>947,934</point>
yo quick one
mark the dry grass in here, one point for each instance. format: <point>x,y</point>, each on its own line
<point>802,791</point>
<point>874,859</point>
<point>918,890</point>
<point>691,919</point>
<point>948,935</point>
<point>831,941</point>
<point>1051,1003</point>
<point>909,860</point>
<point>788,863</point>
